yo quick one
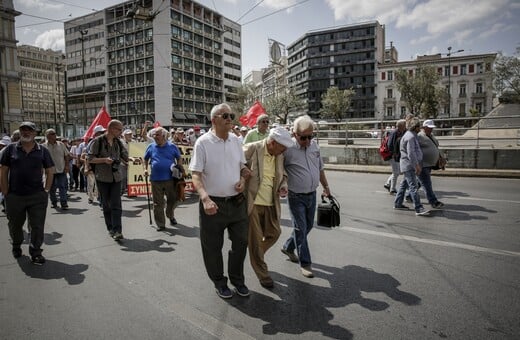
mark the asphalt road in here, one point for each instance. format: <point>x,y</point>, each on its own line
<point>383,274</point>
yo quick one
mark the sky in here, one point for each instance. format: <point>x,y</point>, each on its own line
<point>415,27</point>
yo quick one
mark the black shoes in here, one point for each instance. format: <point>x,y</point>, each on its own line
<point>224,292</point>
<point>173,221</point>
<point>38,260</point>
<point>17,252</point>
<point>242,290</point>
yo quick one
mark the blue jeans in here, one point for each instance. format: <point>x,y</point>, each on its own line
<point>111,201</point>
<point>303,209</point>
<point>59,182</point>
<point>409,181</point>
<point>425,178</point>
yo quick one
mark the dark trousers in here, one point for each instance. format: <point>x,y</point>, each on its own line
<point>233,217</point>
<point>111,201</point>
<point>33,206</point>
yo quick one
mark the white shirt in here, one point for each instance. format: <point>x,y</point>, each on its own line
<point>219,161</point>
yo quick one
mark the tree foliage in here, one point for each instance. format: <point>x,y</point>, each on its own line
<point>282,104</point>
<point>419,90</point>
<point>335,103</point>
<point>246,96</point>
<point>507,75</point>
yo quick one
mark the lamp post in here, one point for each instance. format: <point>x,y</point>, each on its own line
<point>83,33</point>
<point>449,77</point>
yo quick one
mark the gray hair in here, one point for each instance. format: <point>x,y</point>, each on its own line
<point>217,108</point>
<point>303,123</point>
<point>48,131</point>
<point>160,130</point>
<point>401,123</point>
<point>413,123</point>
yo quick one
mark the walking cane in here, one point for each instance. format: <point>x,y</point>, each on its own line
<point>148,196</point>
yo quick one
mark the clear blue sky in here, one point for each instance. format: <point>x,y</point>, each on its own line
<point>415,27</point>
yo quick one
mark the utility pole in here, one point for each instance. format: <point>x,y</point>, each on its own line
<point>449,77</point>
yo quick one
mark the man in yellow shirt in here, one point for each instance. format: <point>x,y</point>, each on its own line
<point>265,186</point>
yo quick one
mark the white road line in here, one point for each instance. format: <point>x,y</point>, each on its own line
<point>434,242</point>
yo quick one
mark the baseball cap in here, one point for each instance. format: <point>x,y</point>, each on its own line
<point>127,132</point>
<point>30,125</point>
<point>428,123</point>
<point>281,136</point>
<point>99,128</point>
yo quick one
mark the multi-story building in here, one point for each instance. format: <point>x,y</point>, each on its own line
<point>42,82</point>
<point>274,79</point>
<point>345,57</point>
<point>165,61</point>
<point>468,84</point>
<point>10,96</point>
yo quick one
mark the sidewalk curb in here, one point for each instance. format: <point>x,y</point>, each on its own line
<point>458,172</point>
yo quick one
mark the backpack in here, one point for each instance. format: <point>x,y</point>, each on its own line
<point>384,150</point>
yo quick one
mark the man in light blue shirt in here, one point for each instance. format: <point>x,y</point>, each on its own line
<point>305,171</point>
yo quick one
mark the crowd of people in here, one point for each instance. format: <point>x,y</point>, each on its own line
<point>240,176</point>
<point>414,153</point>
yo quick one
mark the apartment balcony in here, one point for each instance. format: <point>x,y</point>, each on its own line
<point>388,100</point>
<point>479,95</point>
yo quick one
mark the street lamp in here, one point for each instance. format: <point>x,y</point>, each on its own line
<point>83,33</point>
<point>449,77</point>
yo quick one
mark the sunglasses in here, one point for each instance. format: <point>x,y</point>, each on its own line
<point>303,138</point>
<point>227,115</point>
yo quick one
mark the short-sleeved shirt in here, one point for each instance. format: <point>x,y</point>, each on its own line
<point>26,169</point>
<point>58,153</point>
<point>100,148</point>
<point>161,159</point>
<point>303,166</point>
<point>219,161</point>
<point>254,136</point>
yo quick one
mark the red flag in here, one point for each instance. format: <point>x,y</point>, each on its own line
<point>249,119</point>
<point>102,118</point>
<point>156,124</point>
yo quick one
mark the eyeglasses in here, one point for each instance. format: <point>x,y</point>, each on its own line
<point>303,138</point>
<point>227,115</point>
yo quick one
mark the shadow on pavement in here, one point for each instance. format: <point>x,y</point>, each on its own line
<point>139,245</point>
<point>183,230</point>
<point>53,270</point>
<point>303,307</point>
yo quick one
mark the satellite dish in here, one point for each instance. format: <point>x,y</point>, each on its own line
<point>275,52</point>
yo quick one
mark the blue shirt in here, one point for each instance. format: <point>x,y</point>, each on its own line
<point>26,169</point>
<point>303,166</point>
<point>161,159</point>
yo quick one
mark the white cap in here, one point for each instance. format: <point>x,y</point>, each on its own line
<point>127,132</point>
<point>99,128</point>
<point>281,136</point>
<point>6,140</point>
<point>428,123</point>
<point>244,128</point>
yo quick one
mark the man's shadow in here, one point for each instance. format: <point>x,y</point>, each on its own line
<point>303,307</point>
<point>53,270</point>
<point>139,245</point>
<point>183,230</point>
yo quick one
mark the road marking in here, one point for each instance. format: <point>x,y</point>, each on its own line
<point>434,242</point>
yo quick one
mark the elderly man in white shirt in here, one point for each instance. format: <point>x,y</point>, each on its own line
<point>219,174</point>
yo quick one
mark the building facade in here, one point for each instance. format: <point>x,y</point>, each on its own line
<point>42,82</point>
<point>10,95</point>
<point>164,61</point>
<point>468,80</point>
<point>345,57</point>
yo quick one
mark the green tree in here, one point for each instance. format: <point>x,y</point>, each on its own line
<point>507,75</point>
<point>282,104</point>
<point>419,90</point>
<point>335,103</point>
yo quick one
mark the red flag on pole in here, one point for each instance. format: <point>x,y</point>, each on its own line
<point>249,119</point>
<point>102,118</point>
<point>156,124</point>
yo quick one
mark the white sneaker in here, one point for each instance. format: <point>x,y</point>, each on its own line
<point>307,271</point>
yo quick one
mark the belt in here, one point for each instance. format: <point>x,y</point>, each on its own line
<point>227,198</point>
<point>302,193</point>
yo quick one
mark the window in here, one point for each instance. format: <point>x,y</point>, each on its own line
<point>462,69</point>
<point>471,68</point>
<point>446,71</point>
<point>389,93</point>
<point>462,109</point>
<point>403,111</point>
<point>383,75</point>
<point>389,111</point>
<point>480,68</point>
<point>478,88</point>
<point>390,75</point>
<point>462,90</point>
<point>478,106</point>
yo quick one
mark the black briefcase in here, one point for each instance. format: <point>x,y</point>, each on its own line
<point>328,212</point>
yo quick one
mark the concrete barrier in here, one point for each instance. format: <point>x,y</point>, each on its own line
<point>506,159</point>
